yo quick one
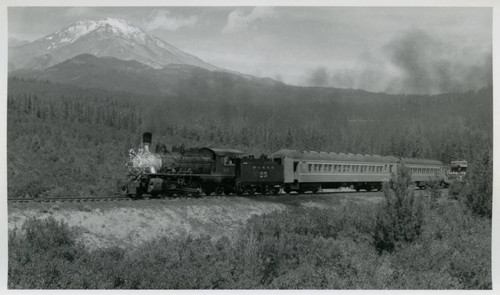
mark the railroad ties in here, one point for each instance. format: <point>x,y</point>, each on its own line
<point>75,200</point>
<point>118,198</point>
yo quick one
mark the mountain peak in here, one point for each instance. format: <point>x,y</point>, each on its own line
<point>106,37</point>
<point>108,26</point>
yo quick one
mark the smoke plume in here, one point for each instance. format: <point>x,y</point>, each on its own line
<point>412,63</point>
<point>319,77</point>
<point>430,66</point>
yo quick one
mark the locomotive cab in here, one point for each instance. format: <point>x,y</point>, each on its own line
<point>223,159</point>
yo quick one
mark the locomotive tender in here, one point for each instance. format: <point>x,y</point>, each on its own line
<point>227,171</point>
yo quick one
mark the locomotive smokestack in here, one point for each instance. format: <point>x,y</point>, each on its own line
<point>146,140</point>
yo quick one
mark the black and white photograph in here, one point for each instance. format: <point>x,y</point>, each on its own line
<point>300,146</point>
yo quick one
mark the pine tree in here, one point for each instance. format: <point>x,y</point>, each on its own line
<point>400,218</point>
<point>289,141</point>
<point>478,191</point>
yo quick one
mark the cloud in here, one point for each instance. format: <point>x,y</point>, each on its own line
<point>163,19</point>
<point>78,11</point>
<point>238,21</point>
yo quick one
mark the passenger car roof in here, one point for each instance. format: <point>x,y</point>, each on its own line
<point>420,161</point>
<point>330,156</point>
<point>342,157</point>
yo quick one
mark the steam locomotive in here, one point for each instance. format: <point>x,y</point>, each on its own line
<point>213,170</point>
<point>192,171</point>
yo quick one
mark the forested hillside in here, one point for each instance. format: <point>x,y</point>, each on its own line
<point>68,140</point>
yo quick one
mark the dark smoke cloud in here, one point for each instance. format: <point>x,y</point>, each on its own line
<point>413,63</point>
<point>430,66</point>
<point>319,77</point>
<point>278,77</point>
<point>368,73</point>
<point>344,79</point>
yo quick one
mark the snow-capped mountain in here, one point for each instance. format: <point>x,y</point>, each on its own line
<point>110,37</point>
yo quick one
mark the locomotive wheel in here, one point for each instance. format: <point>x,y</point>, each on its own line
<point>263,190</point>
<point>315,190</point>
<point>196,185</point>
<point>138,194</point>
<point>368,188</point>
<point>124,190</point>
<point>208,189</point>
<point>287,189</point>
<point>218,190</point>
<point>275,190</point>
<point>227,191</point>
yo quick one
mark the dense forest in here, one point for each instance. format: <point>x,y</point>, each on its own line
<point>68,140</point>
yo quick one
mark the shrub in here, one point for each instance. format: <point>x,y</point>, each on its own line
<point>298,248</point>
<point>478,190</point>
<point>103,268</point>
<point>182,263</point>
<point>56,192</point>
<point>455,189</point>
<point>45,256</point>
<point>434,192</point>
<point>400,218</point>
<point>48,234</point>
<point>32,189</point>
<point>453,252</point>
<point>305,248</point>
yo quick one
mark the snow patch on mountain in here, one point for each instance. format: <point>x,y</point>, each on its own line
<point>81,28</point>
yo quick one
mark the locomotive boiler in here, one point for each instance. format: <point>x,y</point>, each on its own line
<point>165,161</point>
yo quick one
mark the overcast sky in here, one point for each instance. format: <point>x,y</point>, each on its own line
<point>409,50</point>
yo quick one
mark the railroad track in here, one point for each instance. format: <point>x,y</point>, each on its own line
<point>119,197</point>
<point>53,200</point>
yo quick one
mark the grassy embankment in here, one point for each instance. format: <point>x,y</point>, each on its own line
<point>333,248</point>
